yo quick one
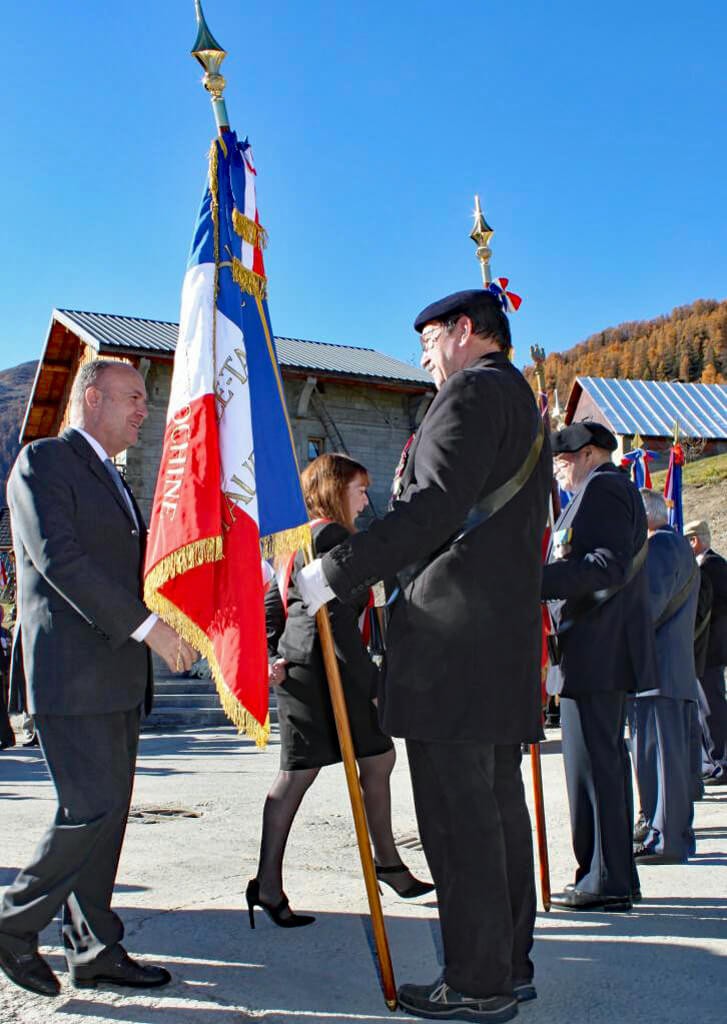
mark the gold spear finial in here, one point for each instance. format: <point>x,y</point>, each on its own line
<point>210,55</point>
<point>481,234</point>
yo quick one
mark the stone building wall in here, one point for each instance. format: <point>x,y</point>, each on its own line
<point>373,423</point>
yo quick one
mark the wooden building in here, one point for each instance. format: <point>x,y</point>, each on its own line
<point>651,409</point>
<point>339,398</point>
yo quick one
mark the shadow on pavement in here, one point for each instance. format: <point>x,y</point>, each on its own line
<point>590,967</point>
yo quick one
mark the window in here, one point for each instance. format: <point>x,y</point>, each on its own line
<point>316,447</point>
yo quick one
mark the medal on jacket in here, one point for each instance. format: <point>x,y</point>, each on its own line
<point>562,542</point>
<point>396,484</point>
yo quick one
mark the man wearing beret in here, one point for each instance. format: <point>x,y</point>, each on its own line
<point>461,680</point>
<point>597,589</point>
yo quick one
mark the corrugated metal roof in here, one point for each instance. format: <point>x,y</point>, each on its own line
<point>104,331</point>
<point>651,407</point>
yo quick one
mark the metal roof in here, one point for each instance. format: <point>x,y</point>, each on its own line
<point>105,332</point>
<point>651,407</point>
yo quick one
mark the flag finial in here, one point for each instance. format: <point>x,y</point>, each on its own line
<point>481,234</point>
<point>210,55</point>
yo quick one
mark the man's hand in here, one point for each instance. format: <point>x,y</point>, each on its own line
<point>313,587</point>
<point>276,671</point>
<point>175,651</point>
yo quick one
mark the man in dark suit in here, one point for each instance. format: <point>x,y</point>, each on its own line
<point>82,652</point>
<point>714,724</point>
<point>596,585</point>
<point>463,648</point>
<point>661,718</point>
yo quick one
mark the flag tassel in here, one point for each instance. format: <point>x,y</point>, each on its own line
<point>189,631</point>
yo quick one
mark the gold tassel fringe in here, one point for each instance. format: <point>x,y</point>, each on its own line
<point>286,541</point>
<point>189,631</point>
<point>250,282</point>
<point>248,230</point>
<point>182,560</point>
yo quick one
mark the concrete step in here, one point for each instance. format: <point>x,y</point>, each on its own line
<point>173,718</point>
<point>181,685</point>
<point>186,700</point>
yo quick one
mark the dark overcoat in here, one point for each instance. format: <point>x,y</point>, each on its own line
<point>715,567</point>
<point>612,646</point>
<point>464,639</point>
<point>79,557</point>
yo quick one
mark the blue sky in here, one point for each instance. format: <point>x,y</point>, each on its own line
<point>594,133</point>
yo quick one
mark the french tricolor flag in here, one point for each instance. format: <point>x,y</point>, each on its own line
<point>228,487</point>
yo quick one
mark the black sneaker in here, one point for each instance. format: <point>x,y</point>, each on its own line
<point>524,991</point>
<point>438,1001</point>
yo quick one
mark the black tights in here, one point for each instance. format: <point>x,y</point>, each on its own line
<point>284,799</point>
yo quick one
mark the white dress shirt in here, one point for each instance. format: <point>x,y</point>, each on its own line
<point>141,632</point>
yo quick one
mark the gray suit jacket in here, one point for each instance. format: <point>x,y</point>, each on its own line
<point>670,564</point>
<point>79,558</point>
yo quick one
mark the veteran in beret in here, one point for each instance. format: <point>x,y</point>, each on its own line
<point>462,673</point>
<point>596,586</point>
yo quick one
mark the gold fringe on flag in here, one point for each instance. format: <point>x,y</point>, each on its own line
<point>248,230</point>
<point>286,541</point>
<point>182,560</point>
<point>190,631</point>
<point>248,280</point>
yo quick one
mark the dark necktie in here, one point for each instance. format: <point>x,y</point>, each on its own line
<point>116,477</point>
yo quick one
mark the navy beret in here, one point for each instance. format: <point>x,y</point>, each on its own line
<point>455,303</point>
<point>578,435</point>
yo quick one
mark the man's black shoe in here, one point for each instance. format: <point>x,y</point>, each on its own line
<point>524,991</point>
<point>440,1002</point>
<point>115,967</point>
<point>577,899</point>
<point>30,970</point>
<point>716,778</point>
<point>646,854</point>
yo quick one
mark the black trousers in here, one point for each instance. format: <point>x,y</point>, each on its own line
<point>91,760</point>
<point>475,830</point>
<point>600,793</point>
<point>715,723</point>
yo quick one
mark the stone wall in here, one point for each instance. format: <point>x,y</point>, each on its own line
<point>372,423</point>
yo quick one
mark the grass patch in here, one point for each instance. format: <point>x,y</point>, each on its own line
<point>710,471</point>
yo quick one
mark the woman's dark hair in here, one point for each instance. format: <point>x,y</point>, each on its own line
<point>325,481</point>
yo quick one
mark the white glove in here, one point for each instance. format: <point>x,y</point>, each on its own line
<point>313,587</point>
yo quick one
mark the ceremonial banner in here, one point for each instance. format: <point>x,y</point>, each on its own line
<point>228,488</point>
<point>637,462</point>
<point>673,487</point>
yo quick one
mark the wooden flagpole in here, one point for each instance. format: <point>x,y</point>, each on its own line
<point>343,728</point>
<point>481,235</point>
<point>538,356</point>
<point>210,55</point>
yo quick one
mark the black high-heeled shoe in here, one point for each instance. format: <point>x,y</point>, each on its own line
<point>409,892</point>
<point>252,895</point>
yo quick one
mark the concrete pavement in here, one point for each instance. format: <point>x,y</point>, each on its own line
<point>192,845</point>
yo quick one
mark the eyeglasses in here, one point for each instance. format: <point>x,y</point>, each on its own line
<point>430,335</point>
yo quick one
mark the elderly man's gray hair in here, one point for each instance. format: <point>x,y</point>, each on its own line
<point>89,376</point>
<point>657,512</point>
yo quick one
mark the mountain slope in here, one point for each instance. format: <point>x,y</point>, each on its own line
<point>15,385</point>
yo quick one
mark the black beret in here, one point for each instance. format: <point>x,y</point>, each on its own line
<point>578,435</point>
<point>454,303</point>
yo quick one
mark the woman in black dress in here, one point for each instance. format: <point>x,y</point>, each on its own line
<point>334,487</point>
